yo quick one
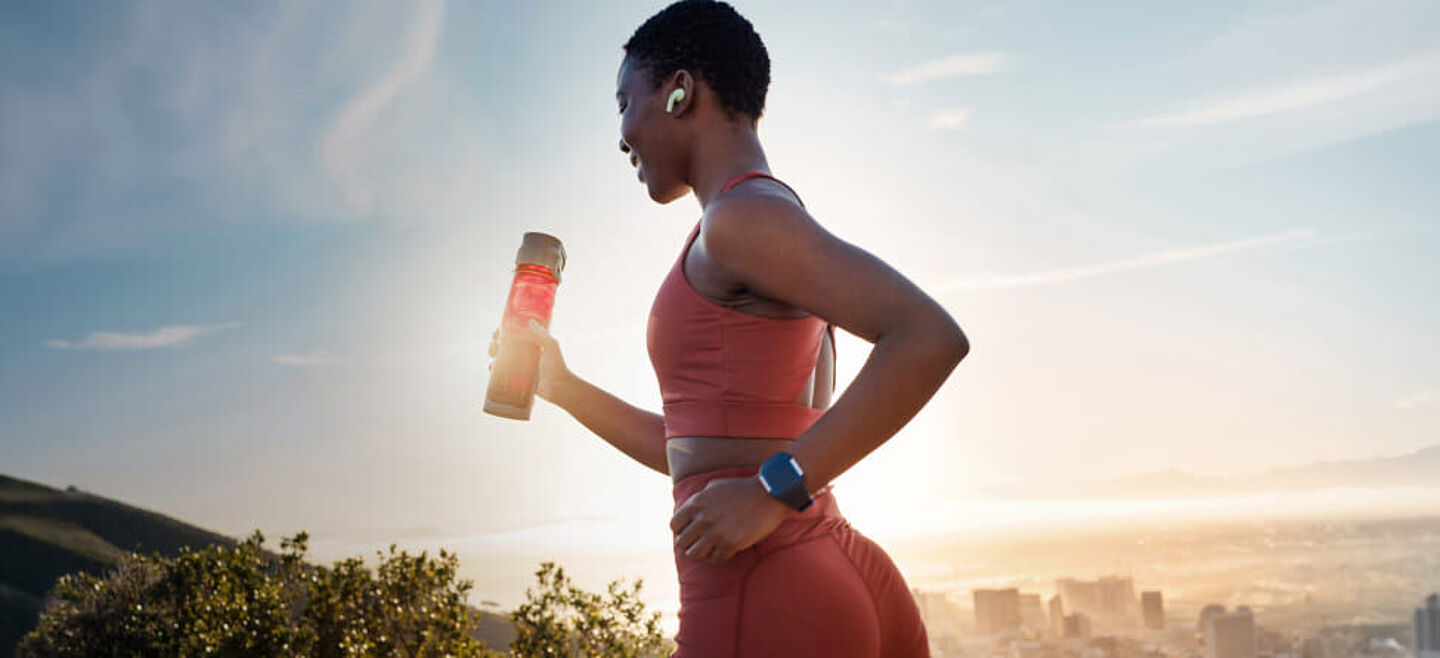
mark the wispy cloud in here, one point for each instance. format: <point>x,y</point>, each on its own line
<point>352,125</point>
<point>1425,398</point>
<point>163,337</point>
<point>317,358</point>
<point>1297,95</point>
<point>987,281</point>
<point>243,116</point>
<point>947,67</point>
<point>949,117</point>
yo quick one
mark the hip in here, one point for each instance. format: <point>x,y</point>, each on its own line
<point>820,520</point>
<point>815,586</point>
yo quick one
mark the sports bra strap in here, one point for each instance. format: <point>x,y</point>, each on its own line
<point>756,172</point>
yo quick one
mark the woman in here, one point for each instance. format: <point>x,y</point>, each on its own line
<point>741,338</point>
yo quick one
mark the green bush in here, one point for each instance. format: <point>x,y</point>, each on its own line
<point>241,601</point>
<point>244,601</point>
<point>563,620</point>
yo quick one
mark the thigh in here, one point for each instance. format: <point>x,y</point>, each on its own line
<point>805,600</point>
<point>710,604</point>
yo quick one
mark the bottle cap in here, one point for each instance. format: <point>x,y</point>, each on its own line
<point>544,250</point>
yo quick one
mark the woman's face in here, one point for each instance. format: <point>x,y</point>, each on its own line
<point>649,135</point>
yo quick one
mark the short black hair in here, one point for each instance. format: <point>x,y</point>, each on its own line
<point>711,40</point>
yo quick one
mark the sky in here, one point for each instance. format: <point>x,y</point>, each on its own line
<point>251,253</point>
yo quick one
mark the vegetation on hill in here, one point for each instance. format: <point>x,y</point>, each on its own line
<point>239,601</point>
<point>47,532</point>
<point>560,619</point>
<point>216,596</point>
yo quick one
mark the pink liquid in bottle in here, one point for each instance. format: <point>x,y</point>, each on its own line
<point>516,370</point>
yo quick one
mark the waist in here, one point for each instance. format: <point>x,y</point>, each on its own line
<point>692,455</point>
<point>689,485</point>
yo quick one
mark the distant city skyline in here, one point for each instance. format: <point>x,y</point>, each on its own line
<point>1133,627</point>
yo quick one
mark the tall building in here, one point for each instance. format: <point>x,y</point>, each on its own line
<point>1230,634</point>
<point>1152,608</point>
<point>1205,614</point>
<point>941,615</point>
<point>1422,632</point>
<point>1108,596</point>
<point>1427,628</point>
<point>997,610</point>
<point>1078,626</point>
<point>1032,612</point>
<point>1057,616</point>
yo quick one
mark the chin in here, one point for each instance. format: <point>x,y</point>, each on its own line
<point>672,196</point>
<point>665,195</point>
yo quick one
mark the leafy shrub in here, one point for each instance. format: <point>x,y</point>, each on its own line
<point>563,620</point>
<point>241,601</point>
<point>244,601</point>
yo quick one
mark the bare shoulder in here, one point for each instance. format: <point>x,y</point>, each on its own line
<point>743,223</point>
<point>773,248</point>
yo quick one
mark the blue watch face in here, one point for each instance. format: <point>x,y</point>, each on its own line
<point>785,480</point>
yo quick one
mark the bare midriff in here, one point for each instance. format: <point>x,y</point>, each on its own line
<point>689,455</point>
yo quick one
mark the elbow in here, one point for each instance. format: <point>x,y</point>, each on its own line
<point>940,344</point>
<point>937,339</point>
<point>956,344</point>
<point>950,342</point>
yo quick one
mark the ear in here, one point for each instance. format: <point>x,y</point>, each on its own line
<point>681,79</point>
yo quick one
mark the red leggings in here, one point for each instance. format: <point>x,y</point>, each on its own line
<point>813,587</point>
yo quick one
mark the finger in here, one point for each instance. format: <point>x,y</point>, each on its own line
<point>701,549</point>
<point>541,333</point>
<point>688,536</point>
<point>681,518</point>
<point>722,553</point>
<point>691,533</point>
<point>709,548</point>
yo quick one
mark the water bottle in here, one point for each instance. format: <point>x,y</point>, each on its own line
<point>516,370</point>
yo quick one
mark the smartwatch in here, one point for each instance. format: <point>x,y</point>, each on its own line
<point>784,479</point>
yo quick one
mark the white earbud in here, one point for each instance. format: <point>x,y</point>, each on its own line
<point>676,95</point>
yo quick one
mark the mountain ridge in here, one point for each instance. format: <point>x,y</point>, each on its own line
<point>1420,468</point>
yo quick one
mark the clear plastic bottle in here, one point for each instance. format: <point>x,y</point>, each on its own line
<point>516,370</point>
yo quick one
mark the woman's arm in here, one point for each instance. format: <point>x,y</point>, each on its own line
<point>634,431</point>
<point>776,250</point>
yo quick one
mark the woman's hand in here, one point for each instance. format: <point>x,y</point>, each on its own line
<point>553,370</point>
<point>728,516</point>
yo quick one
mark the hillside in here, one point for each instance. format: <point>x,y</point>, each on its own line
<point>47,532</point>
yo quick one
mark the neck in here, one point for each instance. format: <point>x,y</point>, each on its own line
<point>721,157</point>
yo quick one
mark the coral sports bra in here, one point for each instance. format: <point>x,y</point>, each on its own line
<point>727,373</point>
